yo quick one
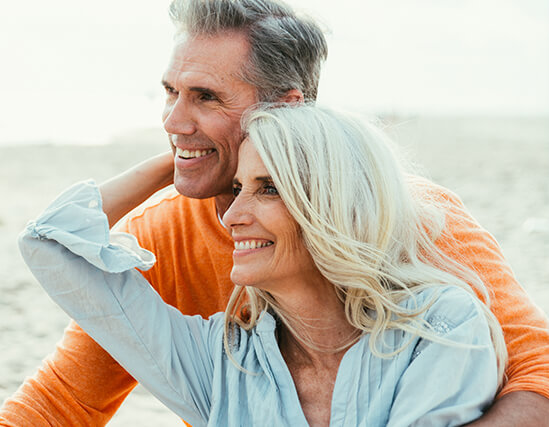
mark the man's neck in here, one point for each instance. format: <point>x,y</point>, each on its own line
<point>222,203</point>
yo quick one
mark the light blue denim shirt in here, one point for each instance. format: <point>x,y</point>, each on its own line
<point>91,274</point>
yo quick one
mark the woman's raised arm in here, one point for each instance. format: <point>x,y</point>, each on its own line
<point>90,272</point>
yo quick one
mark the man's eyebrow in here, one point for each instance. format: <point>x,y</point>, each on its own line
<point>198,89</point>
<point>201,89</point>
<point>166,84</point>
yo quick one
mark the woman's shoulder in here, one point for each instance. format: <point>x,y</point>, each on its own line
<point>447,306</point>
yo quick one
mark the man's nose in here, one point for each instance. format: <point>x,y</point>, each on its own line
<point>240,212</point>
<point>178,118</point>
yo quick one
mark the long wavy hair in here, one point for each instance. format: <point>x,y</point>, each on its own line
<point>367,231</point>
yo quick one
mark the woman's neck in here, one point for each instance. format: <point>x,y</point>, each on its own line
<point>318,318</point>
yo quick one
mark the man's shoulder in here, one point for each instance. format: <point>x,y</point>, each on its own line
<point>422,186</point>
<point>169,203</point>
<point>167,208</point>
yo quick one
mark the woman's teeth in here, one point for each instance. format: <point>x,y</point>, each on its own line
<point>250,244</point>
<point>186,154</point>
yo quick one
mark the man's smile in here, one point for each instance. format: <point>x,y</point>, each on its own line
<point>192,154</point>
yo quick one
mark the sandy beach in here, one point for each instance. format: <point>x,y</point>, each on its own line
<point>499,167</point>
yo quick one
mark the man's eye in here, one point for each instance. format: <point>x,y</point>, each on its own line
<point>204,96</point>
<point>170,91</point>
<point>236,190</point>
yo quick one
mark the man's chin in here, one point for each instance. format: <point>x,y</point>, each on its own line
<point>192,189</point>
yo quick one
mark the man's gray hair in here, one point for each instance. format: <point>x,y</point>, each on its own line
<point>286,50</point>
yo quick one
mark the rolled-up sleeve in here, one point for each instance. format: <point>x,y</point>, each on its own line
<point>91,274</point>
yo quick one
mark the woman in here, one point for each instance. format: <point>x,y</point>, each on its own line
<point>344,313</point>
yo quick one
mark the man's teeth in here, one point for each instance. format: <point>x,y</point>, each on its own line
<point>186,154</point>
<point>250,244</point>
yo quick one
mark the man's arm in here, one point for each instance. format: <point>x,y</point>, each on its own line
<point>80,384</point>
<point>525,327</point>
<point>516,409</point>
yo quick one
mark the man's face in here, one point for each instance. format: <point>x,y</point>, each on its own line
<point>205,98</point>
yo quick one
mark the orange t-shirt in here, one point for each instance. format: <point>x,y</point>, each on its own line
<point>80,384</point>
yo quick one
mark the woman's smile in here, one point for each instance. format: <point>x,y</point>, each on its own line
<point>244,246</point>
<point>268,249</point>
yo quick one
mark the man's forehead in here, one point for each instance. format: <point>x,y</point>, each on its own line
<point>218,58</point>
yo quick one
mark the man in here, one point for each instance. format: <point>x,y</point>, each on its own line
<point>229,55</point>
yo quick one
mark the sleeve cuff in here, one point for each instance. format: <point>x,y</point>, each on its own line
<point>76,220</point>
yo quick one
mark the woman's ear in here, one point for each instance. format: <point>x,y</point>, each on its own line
<point>293,96</point>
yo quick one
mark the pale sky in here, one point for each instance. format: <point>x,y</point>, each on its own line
<point>79,71</point>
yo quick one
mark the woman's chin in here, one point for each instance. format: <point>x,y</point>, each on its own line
<point>241,277</point>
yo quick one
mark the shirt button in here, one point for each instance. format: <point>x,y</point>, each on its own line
<point>93,204</point>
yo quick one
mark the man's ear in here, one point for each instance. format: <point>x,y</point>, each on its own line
<point>293,96</point>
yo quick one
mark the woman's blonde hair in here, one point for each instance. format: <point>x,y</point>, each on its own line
<point>367,231</point>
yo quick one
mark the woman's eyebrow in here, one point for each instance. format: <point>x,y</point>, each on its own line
<point>264,178</point>
<point>236,181</point>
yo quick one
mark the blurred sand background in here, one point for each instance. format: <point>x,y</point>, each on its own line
<point>500,168</point>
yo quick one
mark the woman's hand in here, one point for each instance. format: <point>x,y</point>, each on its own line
<point>131,188</point>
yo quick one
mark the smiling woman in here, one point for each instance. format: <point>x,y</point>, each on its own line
<point>342,295</point>
<point>353,222</point>
<point>268,248</point>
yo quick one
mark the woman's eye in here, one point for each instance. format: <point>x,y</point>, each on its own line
<point>271,190</point>
<point>236,190</point>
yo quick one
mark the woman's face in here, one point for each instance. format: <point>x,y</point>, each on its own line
<point>269,252</point>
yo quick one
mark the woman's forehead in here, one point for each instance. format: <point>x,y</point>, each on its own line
<point>249,162</point>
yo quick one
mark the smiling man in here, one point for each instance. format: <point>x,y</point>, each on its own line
<point>205,98</point>
<point>228,55</point>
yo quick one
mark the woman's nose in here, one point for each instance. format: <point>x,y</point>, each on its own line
<point>240,212</point>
